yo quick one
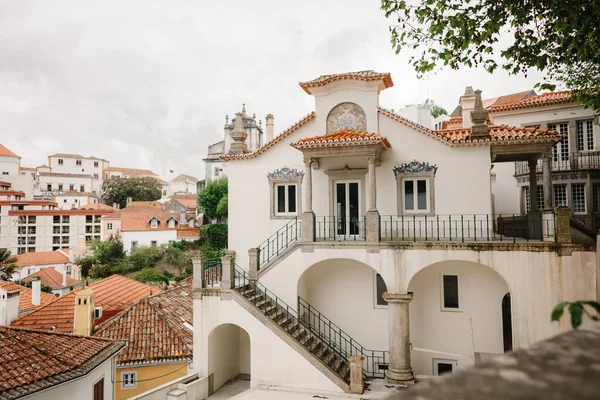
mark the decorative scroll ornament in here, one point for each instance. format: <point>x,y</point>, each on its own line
<point>415,166</point>
<point>286,174</point>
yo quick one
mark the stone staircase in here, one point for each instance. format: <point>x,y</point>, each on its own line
<point>286,318</point>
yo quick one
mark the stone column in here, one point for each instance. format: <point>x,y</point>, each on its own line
<point>399,369</point>
<point>547,179</point>
<point>253,265</point>
<point>357,383</point>
<point>227,267</point>
<point>372,228</point>
<point>198,268</point>
<point>308,216</point>
<point>533,184</point>
<point>563,225</point>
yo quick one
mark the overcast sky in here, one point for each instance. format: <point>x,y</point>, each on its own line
<point>147,84</point>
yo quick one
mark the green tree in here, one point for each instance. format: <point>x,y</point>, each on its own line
<point>577,309</point>
<point>105,256</point>
<point>436,110</point>
<point>43,288</point>
<point>223,207</point>
<point>117,190</point>
<point>8,264</point>
<point>150,275</point>
<point>210,196</point>
<point>178,258</point>
<point>560,38</point>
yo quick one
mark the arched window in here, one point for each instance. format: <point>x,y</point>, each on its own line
<point>347,116</point>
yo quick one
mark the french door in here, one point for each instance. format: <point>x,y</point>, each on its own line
<point>347,208</point>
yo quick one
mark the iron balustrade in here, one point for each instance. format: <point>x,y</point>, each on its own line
<point>280,241</point>
<point>213,271</point>
<point>375,361</point>
<point>469,227</point>
<point>340,228</point>
<point>566,162</point>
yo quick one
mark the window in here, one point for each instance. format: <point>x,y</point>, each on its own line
<point>286,199</point>
<point>71,187</point>
<point>60,161</point>
<point>128,380</point>
<point>81,188</point>
<point>95,164</point>
<point>217,172</point>
<point>97,229</point>
<point>96,176</point>
<point>560,151</point>
<point>153,243</point>
<point>578,196</point>
<point>65,240</point>
<point>540,198</point>
<point>450,291</point>
<point>596,194</point>
<point>65,229</point>
<point>109,226</point>
<point>134,245</point>
<point>89,219</point>
<point>56,239</point>
<point>49,187</point>
<point>560,195</point>
<point>31,219</point>
<point>585,136</point>
<point>31,249</point>
<point>441,366</point>
<point>60,187</point>
<point>415,197</point>
<point>88,229</point>
<point>77,162</point>
<point>65,219</point>
<point>31,240</point>
<point>171,223</point>
<point>99,390</point>
<point>380,289</point>
<point>154,223</point>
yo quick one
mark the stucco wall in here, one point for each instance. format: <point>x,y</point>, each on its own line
<point>506,192</point>
<point>145,238</point>
<point>225,353</point>
<point>148,377</point>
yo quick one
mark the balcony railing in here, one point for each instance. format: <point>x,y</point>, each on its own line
<point>468,228</point>
<point>340,228</point>
<point>280,241</point>
<point>564,162</point>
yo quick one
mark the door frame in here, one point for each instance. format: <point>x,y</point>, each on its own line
<point>346,181</point>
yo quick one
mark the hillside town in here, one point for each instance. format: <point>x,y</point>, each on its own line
<point>365,251</point>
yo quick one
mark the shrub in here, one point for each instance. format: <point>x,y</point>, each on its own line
<point>150,275</point>
<point>215,235</point>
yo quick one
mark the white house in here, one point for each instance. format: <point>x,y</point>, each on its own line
<point>373,236</point>
<point>183,183</point>
<point>9,162</point>
<point>73,199</point>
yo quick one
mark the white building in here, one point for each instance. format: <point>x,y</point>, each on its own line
<point>9,162</point>
<point>254,138</point>
<point>183,184</point>
<point>374,236</point>
<point>73,199</point>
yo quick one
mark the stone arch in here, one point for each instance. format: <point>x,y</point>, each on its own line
<point>229,353</point>
<point>456,314</point>
<point>347,292</point>
<point>347,115</point>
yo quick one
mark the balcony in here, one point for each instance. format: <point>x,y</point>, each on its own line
<point>564,162</point>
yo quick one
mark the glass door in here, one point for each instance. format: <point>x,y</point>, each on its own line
<point>347,206</point>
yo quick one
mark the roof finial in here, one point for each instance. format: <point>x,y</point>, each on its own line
<point>254,116</point>
<point>243,108</point>
<point>226,119</point>
<point>479,117</point>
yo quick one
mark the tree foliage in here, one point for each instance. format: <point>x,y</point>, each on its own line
<point>150,275</point>
<point>436,110</point>
<point>43,288</point>
<point>214,235</point>
<point>210,196</point>
<point>105,255</point>
<point>8,264</point>
<point>117,190</point>
<point>223,207</point>
<point>560,38</point>
<point>577,309</point>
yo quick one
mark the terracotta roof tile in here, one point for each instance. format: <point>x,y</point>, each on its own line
<point>6,152</point>
<point>51,278</point>
<point>140,221</point>
<point>342,138</point>
<point>366,76</point>
<point>134,172</point>
<point>10,287</point>
<point>41,258</point>
<point>34,360</point>
<point>545,99</point>
<point>113,294</point>
<point>189,203</point>
<point>154,328</point>
<point>67,155</point>
<point>96,206</point>
<point>182,178</point>
<point>273,142</point>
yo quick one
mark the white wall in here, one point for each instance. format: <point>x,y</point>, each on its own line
<point>9,308</point>
<point>82,388</point>
<point>145,238</point>
<point>65,181</point>
<point>506,192</point>
<point>228,353</point>
<point>23,183</point>
<point>9,166</point>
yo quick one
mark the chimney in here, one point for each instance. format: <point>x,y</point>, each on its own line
<point>115,205</point>
<point>479,117</point>
<point>182,220</point>
<point>64,280</point>
<point>269,128</point>
<point>128,202</point>
<point>84,312</point>
<point>467,103</point>
<point>9,306</point>
<point>36,288</point>
<point>239,136</point>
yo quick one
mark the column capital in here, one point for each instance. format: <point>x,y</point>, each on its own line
<point>398,298</point>
<point>546,156</point>
<point>372,159</point>
<point>308,161</point>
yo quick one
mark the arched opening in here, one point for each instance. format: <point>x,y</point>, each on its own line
<point>507,323</point>
<point>228,356</point>
<point>346,116</point>
<point>349,294</point>
<point>455,318</point>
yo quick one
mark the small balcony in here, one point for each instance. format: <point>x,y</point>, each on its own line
<point>564,162</point>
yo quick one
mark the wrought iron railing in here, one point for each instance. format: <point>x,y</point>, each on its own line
<point>213,271</point>
<point>375,361</point>
<point>469,227</point>
<point>280,241</point>
<point>340,228</point>
<point>564,162</point>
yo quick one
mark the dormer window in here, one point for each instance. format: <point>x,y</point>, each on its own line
<point>172,223</point>
<point>154,223</point>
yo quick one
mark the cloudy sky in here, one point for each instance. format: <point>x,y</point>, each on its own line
<point>147,84</point>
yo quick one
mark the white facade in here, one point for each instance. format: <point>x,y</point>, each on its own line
<point>9,166</point>
<point>51,183</point>
<point>74,200</point>
<point>134,239</point>
<point>9,306</point>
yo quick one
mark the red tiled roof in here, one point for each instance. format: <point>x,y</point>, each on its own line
<point>545,99</point>
<point>5,193</point>
<point>273,142</point>
<point>51,278</point>
<point>140,221</point>
<point>25,296</point>
<point>455,120</point>
<point>154,328</point>
<point>9,287</point>
<point>133,172</point>
<point>189,203</point>
<point>96,206</point>
<point>365,76</point>
<point>41,258</point>
<point>188,233</point>
<point>34,360</point>
<point>182,178</point>
<point>342,138</point>
<point>113,294</point>
<point>6,152</point>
